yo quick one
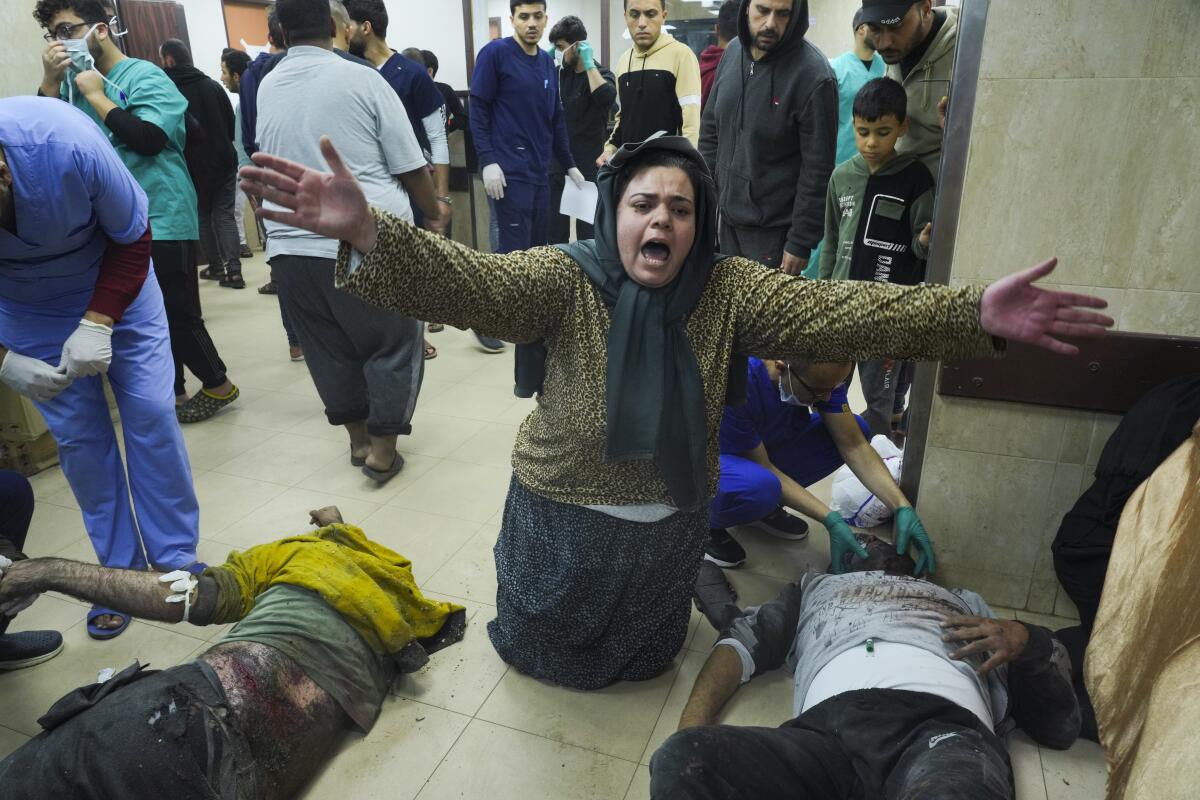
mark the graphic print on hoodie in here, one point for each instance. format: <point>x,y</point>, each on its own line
<point>769,133</point>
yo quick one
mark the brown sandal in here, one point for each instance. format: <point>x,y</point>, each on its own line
<point>430,351</point>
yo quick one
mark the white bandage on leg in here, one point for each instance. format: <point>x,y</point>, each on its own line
<point>183,585</point>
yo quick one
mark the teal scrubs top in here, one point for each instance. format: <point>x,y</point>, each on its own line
<point>145,91</point>
<point>851,76</point>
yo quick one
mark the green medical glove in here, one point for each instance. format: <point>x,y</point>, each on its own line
<point>841,540</point>
<point>909,530</point>
<point>584,49</point>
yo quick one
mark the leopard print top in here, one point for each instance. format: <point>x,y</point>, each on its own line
<point>543,294</point>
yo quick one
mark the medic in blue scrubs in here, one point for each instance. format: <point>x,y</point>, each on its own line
<point>78,299</point>
<point>795,429</point>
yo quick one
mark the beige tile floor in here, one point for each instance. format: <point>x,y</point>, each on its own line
<point>466,725</point>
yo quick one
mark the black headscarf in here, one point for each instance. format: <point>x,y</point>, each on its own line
<point>654,395</point>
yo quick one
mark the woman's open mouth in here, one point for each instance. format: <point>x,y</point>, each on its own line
<point>656,253</point>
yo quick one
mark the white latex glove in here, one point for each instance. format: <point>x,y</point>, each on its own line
<point>575,175</point>
<point>88,351</point>
<point>33,378</point>
<point>493,181</point>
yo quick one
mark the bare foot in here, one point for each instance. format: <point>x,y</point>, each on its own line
<point>108,622</point>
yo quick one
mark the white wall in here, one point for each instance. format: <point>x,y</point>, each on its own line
<point>20,49</point>
<point>435,25</point>
<point>832,22</point>
<point>206,30</point>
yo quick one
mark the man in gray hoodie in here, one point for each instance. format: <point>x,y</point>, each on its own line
<point>769,134</point>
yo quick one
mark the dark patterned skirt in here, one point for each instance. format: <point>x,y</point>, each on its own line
<point>585,599</point>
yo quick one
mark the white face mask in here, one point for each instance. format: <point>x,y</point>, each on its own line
<point>82,59</point>
<point>786,393</point>
<point>81,56</point>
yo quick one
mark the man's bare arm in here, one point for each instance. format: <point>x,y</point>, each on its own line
<point>139,594</point>
<point>716,683</point>
<point>419,185</point>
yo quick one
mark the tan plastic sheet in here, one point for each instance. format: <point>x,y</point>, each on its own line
<point>1143,663</point>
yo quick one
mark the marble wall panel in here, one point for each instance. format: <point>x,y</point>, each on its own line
<point>1038,188</point>
<point>986,514</point>
<point>1174,313</point>
<point>1152,226</point>
<point>1070,38</point>
<point>990,426</point>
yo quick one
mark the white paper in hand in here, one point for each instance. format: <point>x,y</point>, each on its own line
<point>580,203</point>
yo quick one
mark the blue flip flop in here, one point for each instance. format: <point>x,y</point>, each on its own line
<point>104,633</point>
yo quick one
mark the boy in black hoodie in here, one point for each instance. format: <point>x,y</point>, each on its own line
<point>769,134</point>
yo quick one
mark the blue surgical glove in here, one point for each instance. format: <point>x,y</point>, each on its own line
<point>841,541</point>
<point>584,49</point>
<point>909,530</point>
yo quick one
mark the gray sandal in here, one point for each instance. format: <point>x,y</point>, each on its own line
<point>383,476</point>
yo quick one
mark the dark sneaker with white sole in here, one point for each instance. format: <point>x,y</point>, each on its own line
<point>782,525</point>
<point>20,650</point>
<point>490,344</point>
<point>723,550</point>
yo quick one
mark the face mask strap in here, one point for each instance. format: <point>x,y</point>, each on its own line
<point>112,25</point>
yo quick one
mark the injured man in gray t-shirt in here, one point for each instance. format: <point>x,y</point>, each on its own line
<point>902,689</point>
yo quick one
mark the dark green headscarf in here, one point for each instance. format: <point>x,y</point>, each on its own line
<point>654,394</point>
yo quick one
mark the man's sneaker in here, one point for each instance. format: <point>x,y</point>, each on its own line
<point>723,550</point>
<point>715,596</point>
<point>782,525</point>
<point>245,252</point>
<point>489,343</point>
<point>213,273</point>
<point>233,280</point>
<point>268,288</point>
<point>20,650</point>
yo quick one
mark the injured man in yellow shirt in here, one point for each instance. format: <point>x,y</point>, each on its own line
<point>325,621</point>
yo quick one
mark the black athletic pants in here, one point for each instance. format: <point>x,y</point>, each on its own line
<point>175,266</point>
<point>872,744</point>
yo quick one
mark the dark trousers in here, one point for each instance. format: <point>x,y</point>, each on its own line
<point>884,382</point>
<point>560,224</point>
<point>144,733</point>
<point>366,363</point>
<point>16,512</point>
<point>764,245</point>
<point>191,346</point>
<point>522,216</point>
<point>288,330</point>
<point>215,201</point>
<point>861,745</point>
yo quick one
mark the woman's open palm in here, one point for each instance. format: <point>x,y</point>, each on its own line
<point>1016,309</point>
<point>327,203</point>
